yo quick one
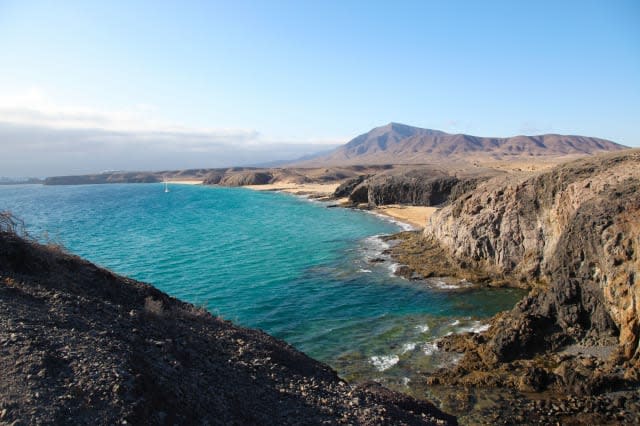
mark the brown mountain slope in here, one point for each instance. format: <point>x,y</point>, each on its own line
<point>81,345</point>
<point>401,144</point>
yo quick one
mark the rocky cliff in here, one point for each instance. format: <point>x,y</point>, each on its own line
<point>424,186</point>
<point>573,234</point>
<point>81,345</point>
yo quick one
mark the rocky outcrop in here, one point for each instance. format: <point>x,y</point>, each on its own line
<point>573,233</point>
<point>418,187</point>
<point>246,178</point>
<point>133,177</point>
<point>81,345</point>
<point>213,178</point>
<point>345,189</point>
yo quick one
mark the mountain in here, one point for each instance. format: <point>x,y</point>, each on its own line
<point>398,143</point>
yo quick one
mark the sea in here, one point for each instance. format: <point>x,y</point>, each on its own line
<point>317,277</point>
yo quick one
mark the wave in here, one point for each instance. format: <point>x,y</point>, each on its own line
<point>402,225</point>
<point>430,348</point>
<point>475,327</point>
<point>408,347</point>
<point>423,328</point>
<point>384,362</point>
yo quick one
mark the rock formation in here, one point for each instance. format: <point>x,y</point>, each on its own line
<point>573,233</point>
<point>414,186</point>
<point>81,345</point>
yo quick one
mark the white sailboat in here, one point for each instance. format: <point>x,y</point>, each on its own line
<point>166,185</point>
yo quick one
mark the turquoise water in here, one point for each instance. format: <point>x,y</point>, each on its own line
<point>291,267</point>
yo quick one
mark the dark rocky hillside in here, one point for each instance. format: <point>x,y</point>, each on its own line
<point>81,345</point>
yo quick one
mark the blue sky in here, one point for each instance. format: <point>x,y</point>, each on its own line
<point>251,76</point>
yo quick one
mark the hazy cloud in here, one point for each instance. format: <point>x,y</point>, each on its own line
<point>40,138</point>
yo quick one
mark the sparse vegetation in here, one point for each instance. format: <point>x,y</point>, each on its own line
<point>11,224</point>
<point>153,306</point>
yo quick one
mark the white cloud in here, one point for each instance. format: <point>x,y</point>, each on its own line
<point>34,108</point>
<point>39,136</point>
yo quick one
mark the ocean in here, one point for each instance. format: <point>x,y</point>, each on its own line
<point>287,265</point>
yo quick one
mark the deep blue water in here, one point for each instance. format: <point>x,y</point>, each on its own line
<point>291,267</point>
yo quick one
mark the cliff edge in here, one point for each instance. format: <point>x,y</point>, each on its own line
<point>573,235</point>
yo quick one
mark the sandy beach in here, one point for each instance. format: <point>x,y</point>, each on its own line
<point>414,215</point>
<point>319,189</point>
<point>187,181</point>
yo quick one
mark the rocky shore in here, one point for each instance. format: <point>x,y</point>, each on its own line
<point>81,345</point>
<point>569,350</point>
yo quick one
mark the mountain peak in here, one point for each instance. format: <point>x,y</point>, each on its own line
<point>400,143</point>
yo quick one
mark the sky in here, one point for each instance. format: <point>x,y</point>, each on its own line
<point>146,85</point>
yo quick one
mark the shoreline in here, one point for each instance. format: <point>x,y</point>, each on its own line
<point>414,216</point>
<point>187,182</point>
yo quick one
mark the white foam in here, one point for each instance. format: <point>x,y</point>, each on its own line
<point>384,362</point>
<point>405,381</point>
<point>450,286</point>
<point>429,348</point>
<point>366,271</point>
<point>373,248</point>
<point>393,267</point>
<point>456,322</point>
<point>402,225</point>
<point>408,347</point>
<point>475,327</point>
<point>423,328</point>
<point>376,242</point>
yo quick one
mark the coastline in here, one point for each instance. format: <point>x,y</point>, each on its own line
<point>187,181</point>
<point>317,190</point>
<point>414,216</point>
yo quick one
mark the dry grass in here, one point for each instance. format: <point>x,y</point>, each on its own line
<point>11,224</point>
<point>153,306</point>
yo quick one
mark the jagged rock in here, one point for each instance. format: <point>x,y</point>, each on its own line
<point>246,178</point>
<point>213,178</point>
<point>419,187</point>
<point>573,234</point>
<point>346,188</point>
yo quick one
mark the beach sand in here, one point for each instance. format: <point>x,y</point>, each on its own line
<point>413,215</point>
<point>315,189</point>
<point>186,181</point>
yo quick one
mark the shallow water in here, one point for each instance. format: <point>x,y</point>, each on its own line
<point>291,267</point>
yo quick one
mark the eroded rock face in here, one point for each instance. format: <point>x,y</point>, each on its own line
<point>246,178</point>
<point>575,231</point>
<point>418,187</point>
<point>346,188</point>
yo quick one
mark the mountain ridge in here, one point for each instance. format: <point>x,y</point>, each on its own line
<point>401,143</point>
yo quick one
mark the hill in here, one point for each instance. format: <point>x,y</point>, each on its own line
<point>401,144</point>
